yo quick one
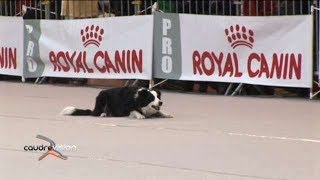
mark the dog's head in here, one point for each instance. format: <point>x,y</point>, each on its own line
<point>148,100</point>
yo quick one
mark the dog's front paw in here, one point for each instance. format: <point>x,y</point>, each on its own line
<point>140,116</point>
<point>167,116</point>
<point>103,115</point>
<point>137,115</point>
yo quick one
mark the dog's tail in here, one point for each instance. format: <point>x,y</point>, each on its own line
<point>72,111</point>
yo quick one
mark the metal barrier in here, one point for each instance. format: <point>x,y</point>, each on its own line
<point>72,9</point>
<point>53,9</point>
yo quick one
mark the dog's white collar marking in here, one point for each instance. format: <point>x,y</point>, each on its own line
<point>148,110</point>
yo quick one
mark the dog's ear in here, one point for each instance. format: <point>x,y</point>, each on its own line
<point>141,98</point>
<point>143,93</point>
<point>158,93</point>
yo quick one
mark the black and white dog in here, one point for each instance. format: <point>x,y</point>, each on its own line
<point>134,102</point>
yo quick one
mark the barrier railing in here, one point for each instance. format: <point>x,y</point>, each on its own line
<point>58,9</point>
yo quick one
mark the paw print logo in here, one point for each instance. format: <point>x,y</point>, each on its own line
<point>92,35</point>
<point>239,36</point>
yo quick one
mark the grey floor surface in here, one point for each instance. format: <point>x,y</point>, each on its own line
<point>209,138</point>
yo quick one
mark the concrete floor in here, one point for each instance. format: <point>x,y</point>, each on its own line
<point>210,138</point>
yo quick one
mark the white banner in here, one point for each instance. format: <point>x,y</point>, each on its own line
<point>108,48</point>
<point>273,50</point>
<point>11,45</point>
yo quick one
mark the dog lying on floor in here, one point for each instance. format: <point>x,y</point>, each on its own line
<point>133,102</point>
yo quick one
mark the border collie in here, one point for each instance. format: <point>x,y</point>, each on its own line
<point>134,102</point>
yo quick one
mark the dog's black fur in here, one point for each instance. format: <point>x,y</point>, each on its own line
<point>126,101</point>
